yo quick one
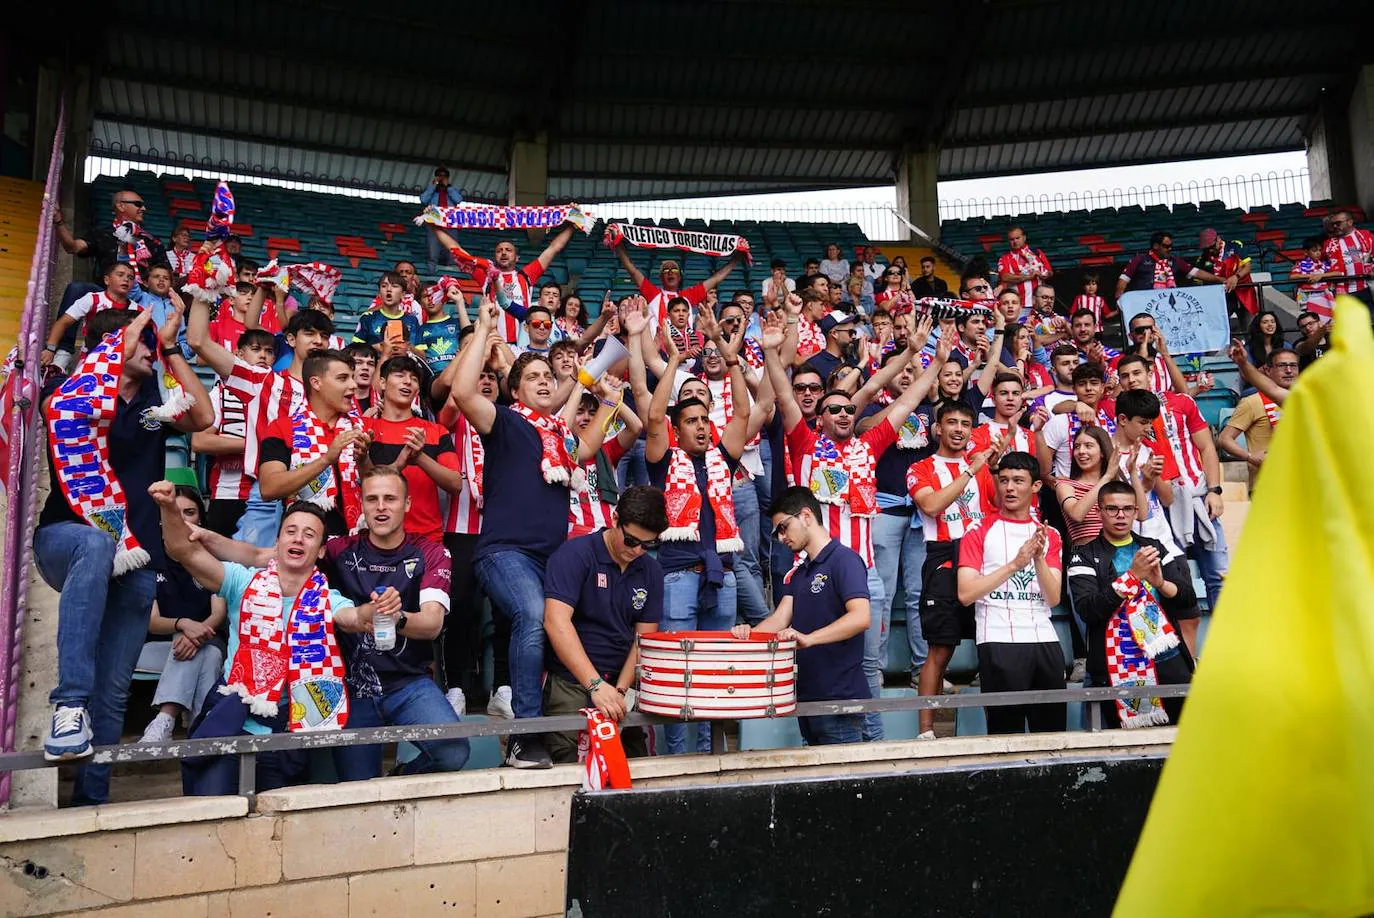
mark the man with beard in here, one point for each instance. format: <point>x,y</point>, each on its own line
<point>1258,414</point>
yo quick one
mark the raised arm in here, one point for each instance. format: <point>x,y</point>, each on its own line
<point>715,279</point>
<point>70,244</point>
<point>479,412</point>
<point>451,244</point>
<point>1271,390</point>
<point>776,330</point>
<point>556,245</point>
<point>198,336</point>
<point>609,392</point>
<point>656,418</point>
<point>176,538</point>
<point>994,364</point>
<point>598,326</point>
<point>636,275</point>
<point>201,414</point>
<point>736,433</point>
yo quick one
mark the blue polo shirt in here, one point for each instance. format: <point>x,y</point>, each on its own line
<point>819,589</point>
<point>607,602</point>
<point>523,511</point>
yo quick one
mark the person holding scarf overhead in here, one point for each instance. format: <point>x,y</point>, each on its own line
<point>313,453</point>
<point>697,478</point>
<point>532,459</point>
<point>97,542</point>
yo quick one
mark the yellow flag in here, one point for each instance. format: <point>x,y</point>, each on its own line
<point>1266,804</point>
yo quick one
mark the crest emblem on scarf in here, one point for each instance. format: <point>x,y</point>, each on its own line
<point>828,482</point>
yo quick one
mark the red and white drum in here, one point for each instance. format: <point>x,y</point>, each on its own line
<point>708,675</point>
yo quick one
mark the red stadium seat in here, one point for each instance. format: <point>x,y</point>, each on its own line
<point>1091,239</point>
<point>190,204</point>
<point>1257,217</point>
<point>1273,235</point>
<point>180,187</point>
<point>1316,211</point>
<point>277,244</point>
<point>1293,255</point>
<point>1096,261</point>
<point>989,240</point>
<point>1106,248</point>
<point>391,229</point>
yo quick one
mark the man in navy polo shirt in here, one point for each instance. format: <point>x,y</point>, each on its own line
<point>825,610</point>
<point>600,591</point>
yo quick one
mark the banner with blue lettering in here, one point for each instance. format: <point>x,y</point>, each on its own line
<point>500,217</point>
<point>1193,319</point>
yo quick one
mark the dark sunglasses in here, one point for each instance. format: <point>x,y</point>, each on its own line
<point>778,529</point>
<point>808,387</point>
<point>710,352</point>
<point>633,542</point>
<point>732,320</point>
<point>135,203</point>
<point>841,409</point>
<point>540,324</point>
<point>1141,329</point>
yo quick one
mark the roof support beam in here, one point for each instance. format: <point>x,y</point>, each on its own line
<point>1112,130</point>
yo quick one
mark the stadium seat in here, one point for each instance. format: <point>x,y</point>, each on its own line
<point>485,751</point>
<point>900,725</point>
<point>769,733</point>
<point>1212,403</point>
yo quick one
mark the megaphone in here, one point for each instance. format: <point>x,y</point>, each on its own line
<point>612,352</point>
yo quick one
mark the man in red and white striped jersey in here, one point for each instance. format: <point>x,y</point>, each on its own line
<point>670,279</point>
<point>1023,267</point>
<point>592,509</point>
<point>268,397</point>
<point>1008,406</point>
<point>511,287</point>
<point>841,469</point>
<point>224,440</point>
<point>1351,251</point>
<point>1011,571</point>
<point>953,492</point>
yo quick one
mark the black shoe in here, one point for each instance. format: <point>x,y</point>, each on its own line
<point>528,751</point>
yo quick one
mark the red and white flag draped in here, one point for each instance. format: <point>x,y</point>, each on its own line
<point>601,753</point>
<point>15,389</point>
<point>502,217</point>
<point>659,237</point>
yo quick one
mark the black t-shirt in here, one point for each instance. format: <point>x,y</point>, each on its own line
<point>827,363</point>
<point>893,463</point>
<point>523,511</point>
<point>920,287</point>
<point>138,457</point>
<point>420,571</point>
<point>105,250</point>
<point>680,556</point>
<point>180,596</point>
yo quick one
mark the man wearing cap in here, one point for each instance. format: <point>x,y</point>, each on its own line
<point>1225,262</point>
<point>670,277</point>
<point>838,328</point>
<point>1160,268</point>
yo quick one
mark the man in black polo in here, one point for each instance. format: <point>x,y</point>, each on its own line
<point>825,609</point>
<point>600,591</point>
<point>123,239</point>
<point>928,284</point>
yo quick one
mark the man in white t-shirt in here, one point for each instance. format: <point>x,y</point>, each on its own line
<point>1011,570</point>
<point>1054,445</point>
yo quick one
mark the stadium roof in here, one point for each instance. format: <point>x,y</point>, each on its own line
<point>654,98</point>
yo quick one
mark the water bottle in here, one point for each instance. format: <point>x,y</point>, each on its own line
<point>384,631</point>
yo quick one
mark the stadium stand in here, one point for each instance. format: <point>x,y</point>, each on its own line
<point>19,206</point>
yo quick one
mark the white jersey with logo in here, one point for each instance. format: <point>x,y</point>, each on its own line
<point>226,479</point>
<point>1015,611</point>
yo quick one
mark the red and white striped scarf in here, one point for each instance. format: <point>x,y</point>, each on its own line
<point>727,401</point>
<point>306,660</point>
<point>1137,634</point>
<point>325,489</point>
<point>559,462</point>
<point>131,238</point>
<point>601,753</point>
<point>1272,410</point>
<point>1164,271</point>
<point>212,275</point>
<point>844,475</point>
<point>79,418</point>
<point>683,497</point>
<point>474,458</point>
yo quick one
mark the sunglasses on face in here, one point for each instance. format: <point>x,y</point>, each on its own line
<point>731,320</point>
<point>634,542</point>
<point>980,287</point>
<point>710,352</point>
<point>139,204</point>
<point>779,529</point>
<point>808,387</point>
<point>841,409</point>
<point>541,324</point>
<point>1142,329</point>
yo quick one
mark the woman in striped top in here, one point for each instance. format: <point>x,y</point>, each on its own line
<point>1094,464</point>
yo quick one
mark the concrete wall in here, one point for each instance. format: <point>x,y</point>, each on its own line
<point>1361,120</point>
<point>482,844</point>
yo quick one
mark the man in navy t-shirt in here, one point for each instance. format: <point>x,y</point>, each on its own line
<point>392,687</point>
<point>825,610</point>
<point>600,591</point>
<point>531,460</point>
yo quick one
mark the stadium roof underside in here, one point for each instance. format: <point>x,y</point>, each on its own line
<point>652,98</point>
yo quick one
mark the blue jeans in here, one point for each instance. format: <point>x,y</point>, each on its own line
<point>416,702</point>
<point>632,469</point>
<point>514,582</point>
<point>101,624</point>
<point>748,576</point>
<point>260,521</point>
<point>896,546</point>
<point>1213,563</point>
<point>218,776</point>
<point>830,729</point>
<point>683,611</point>
<point>875,644</point>
<point>436,254</point>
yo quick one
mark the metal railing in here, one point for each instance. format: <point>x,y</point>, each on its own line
<point>1244,192</point>
<point>25,437</point>
<point>247,748</point>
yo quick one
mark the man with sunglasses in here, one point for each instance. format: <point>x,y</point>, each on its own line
<point>670,279</point>
<point>601,591</point>
<point>1160,268</point>
<point>123,239</point>
<point>1148,342</point>
<point>537,332</point>
<point>839,331</point>
<point>841,469</point>
<point>1258,414</point>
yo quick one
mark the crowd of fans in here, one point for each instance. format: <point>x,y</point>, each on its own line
<point>784,459</point>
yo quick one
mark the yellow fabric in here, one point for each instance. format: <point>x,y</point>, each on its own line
<point>1266,804</point>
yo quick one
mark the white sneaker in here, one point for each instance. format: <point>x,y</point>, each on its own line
<point>499,705</point>
<point>69,736</point>
<point>946,687</point>
<point>458,701</point>
<point>160,730</point>
<point>929,734</point>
